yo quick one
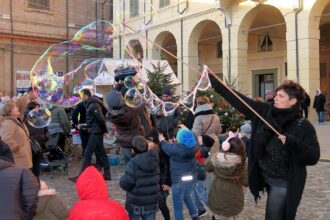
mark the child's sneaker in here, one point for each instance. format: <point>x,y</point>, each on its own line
<point>202,212</point>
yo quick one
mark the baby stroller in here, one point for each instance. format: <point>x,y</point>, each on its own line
<point>53,155</point>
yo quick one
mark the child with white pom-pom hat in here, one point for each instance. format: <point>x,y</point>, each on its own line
<point>226,196</point>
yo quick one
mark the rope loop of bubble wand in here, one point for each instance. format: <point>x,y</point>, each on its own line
<point>210,72</point>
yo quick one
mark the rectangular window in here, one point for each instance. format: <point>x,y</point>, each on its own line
<point>38,4</point>
<point>323,69</point>
<point>134,8</point>
<point>163,3</point>
<point>219,49</point>
<point>265,43</point>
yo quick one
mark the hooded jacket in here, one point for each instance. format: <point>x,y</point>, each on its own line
<point>301,141</point>
<point>182,160</point>
<point>141,183</point>
<point>226,197</point>
<point>128,124</point>
<point>19,189</point>
<point>94,116</point>
<point>94,203</point>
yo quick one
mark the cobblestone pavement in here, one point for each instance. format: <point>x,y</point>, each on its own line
<point>314,205</point>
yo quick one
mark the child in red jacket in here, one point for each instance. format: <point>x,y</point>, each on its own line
<point>94,203</point>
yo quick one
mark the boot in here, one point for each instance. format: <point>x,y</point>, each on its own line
<point>74,178</point>
<point>107,175</point>
<point>195,218</point>
<point>84,166</point>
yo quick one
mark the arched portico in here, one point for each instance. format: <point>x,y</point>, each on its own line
<point>167,41</point>
<point>205,47</point>
<point>261,50</point>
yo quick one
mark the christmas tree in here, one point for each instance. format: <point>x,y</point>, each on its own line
<point>158,79</point>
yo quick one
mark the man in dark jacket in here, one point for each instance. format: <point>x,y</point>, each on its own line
<point>318,104</point>
<point>19,188</point>
<point>141,181</point>
<point>305,104</point>
<point>78,117</point>
<point>166,124</point>
<point>96,127</point>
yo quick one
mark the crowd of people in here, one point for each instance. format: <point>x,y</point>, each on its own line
<point>204,167</point>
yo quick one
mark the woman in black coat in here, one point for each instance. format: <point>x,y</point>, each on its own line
<point>278,165</point>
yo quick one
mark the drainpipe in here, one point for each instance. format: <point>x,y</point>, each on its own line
<point>12,49</point>
<point>181,21</point>
<point>181,11</point>
<point>297,11</point>
<point>228,24</point>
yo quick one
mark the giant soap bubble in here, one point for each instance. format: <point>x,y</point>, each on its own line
<point>56,76</point>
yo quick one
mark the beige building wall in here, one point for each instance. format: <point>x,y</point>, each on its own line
<point>188,22</point>
<point>25,32</point>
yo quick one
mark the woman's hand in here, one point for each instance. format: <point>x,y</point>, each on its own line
<point>282,138</point>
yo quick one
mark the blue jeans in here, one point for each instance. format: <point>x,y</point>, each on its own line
<point>126,153</point>
<point>198,203</point>
<point>201,191</point>
<point>143,217</point>
<point>277,190</point>
<point>320,115</point>
<point>182,192</point>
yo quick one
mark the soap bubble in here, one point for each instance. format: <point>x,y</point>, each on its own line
<point>129,82</point>
<point>39,117</point>
<point>169,108</point>
<point>58,74</point>
<point>204,81</point>
<point>92,69</point>
<point>133,98</point>
<point>189,101</point>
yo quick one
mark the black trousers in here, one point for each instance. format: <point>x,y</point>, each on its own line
<point>305,110</point>
<point>163,206</point>
<point>95,144</point>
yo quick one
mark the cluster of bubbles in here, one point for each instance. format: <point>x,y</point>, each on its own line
<point>63,88</point>
<point>139,93</point>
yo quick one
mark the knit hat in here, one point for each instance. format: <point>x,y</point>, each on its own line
<point>5,152</point>
<point>122,73</point>
<point>186,137</point>
<point>167,91</point>
<point>140,144</point>
<point>115,100</point>
<point>246,130</point>
<point>207,141</point>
